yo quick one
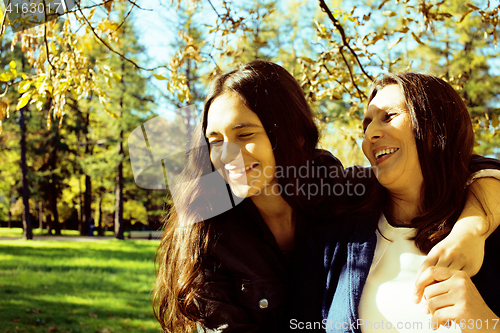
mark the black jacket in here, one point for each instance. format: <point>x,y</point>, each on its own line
<point>247,276</point>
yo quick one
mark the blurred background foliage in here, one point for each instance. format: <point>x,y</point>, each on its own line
<point>74,88</point>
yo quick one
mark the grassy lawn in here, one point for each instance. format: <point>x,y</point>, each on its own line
<point>18,232</point>
<point>64,286</point>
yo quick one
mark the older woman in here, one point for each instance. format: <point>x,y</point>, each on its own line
<point>419,139</point>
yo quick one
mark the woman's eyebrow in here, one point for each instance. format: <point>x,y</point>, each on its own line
<point>243,125</point>
<point>235,127</point>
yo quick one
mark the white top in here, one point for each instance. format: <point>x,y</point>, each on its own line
<point>387,300</point>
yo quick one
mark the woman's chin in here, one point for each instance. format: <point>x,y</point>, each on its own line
<point>241,191</point>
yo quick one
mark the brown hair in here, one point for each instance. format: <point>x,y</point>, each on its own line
<point>444,140</point>
<point>278,100</point>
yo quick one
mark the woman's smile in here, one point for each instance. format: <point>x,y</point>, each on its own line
<point>383,153</point>
<point>236,172</point>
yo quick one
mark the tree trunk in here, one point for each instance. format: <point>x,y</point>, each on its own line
<point>52,186</point>
<point>27,228</point>
<point>9,223</point>
<point>100,229</point>
<point>119,193</point>
<point>119,227</point>
<point>81,222</point>
<point>53,207</point>
<point>87,197</point>
<point>40,216</point>
<point>49,226</point>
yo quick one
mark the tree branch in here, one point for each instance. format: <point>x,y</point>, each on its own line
<point>3,27</point>
<point>111,49</point>
<point>337,25</point>
<point>45,37</point>
<point>360,93</point>
<point>125,18</point>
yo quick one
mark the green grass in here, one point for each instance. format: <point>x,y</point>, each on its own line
<point>64,286</point>
<point>18,232</point>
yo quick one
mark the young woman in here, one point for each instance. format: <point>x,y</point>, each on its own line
<point>231,272</point>
<point>419,138</point>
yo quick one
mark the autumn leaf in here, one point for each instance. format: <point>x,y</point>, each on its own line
<point>395,43</point>
<point>494,120</point>
<point>91,14</point>
<point>159,77</point>
<point>472,6</point>
<point>24,86</point>
<point>108,5</point>
<point>389,13</point>
<point>6,77</point>
<point>415,37</point>
<point>382,4</point>
<point>25,98</point>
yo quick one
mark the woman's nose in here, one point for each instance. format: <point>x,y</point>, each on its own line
<point>373,132</point>
<point>229,152</point>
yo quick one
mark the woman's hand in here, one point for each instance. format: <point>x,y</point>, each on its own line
<point>460,252</point>
<point>463,248</point>
<point>450,295</point>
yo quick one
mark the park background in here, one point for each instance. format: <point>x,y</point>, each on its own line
<point>73,89</point>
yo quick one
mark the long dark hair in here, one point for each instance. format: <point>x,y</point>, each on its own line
<point>278,100</point>
<point>445,140</point>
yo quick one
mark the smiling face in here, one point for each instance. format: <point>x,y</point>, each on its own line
<point>239,146</point>
<point>389,142</point>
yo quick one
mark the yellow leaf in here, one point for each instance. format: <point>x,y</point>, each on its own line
<point>114,115</point>
<point>91,14</point>
<point>472,6</point>
<point>308,60</point>
<point>24,86</point>
<point>88,46</point>
<point>159,77</point>
<point>53,47</point>
<point>39,105</point>
<point>6,77</point>
<point>382,4</point>
<point>394,44</point>
<point>389,13</point>
<point>25,98</point>
<point>415,37</point>
<point>494,120</point>
<point>111,25</point>
<point>117,77</point>
<point>12,64</point>
<point>108,5</point>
